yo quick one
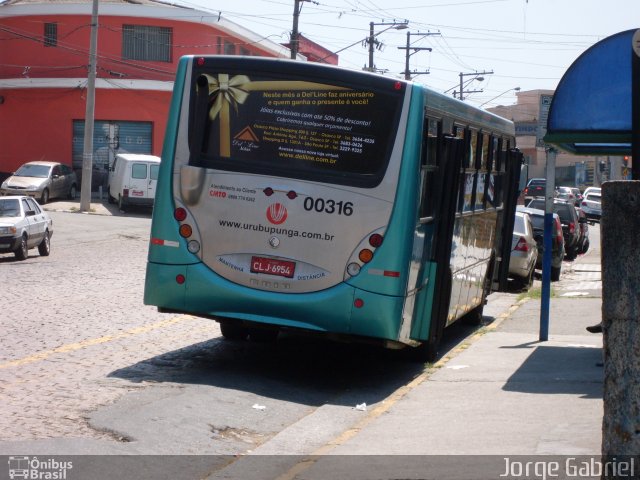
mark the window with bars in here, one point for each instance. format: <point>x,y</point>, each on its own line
<point>50,34</point>
<point>147,43</point>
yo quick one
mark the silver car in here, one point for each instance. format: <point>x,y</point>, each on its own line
<point>592,205</point>
<point>524,251</point>
<point>42,180</point>
<point>24,225</point>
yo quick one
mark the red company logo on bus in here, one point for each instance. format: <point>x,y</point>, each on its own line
<point>276,213</point>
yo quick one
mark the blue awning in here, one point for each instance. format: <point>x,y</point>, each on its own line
<point>590,112</point>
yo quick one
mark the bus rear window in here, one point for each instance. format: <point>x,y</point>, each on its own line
<point>324,129</point>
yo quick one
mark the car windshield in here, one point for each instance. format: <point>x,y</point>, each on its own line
<point>594,197</point>
<point>39,171</point>
<point>9,207</point>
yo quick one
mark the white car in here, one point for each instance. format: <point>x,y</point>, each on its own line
<point>24,225</point>
<point>591,205</point>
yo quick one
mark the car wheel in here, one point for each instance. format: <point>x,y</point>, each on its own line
<point>529,281</point>
<point>572,254</point>
<point>73,192</point>
<point>44,198</point>
<point>23,250</point>
<point>585,246</point>
<point>45,245</point>
<point>120,203</point>
<point>233,331</point>
<point>555,273</point>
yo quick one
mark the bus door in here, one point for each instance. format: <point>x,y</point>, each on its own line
<point>514,159</point>
<point>450,162</point>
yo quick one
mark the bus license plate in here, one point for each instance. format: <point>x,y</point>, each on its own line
<point>270,266</point>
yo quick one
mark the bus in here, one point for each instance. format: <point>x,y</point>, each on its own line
<point>301,196</point>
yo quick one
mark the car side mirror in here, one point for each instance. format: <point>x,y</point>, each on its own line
<point>30,213</point>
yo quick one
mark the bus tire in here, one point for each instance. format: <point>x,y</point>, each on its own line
<point>426,352</point>
<point>233,331</point>
<point>263,335</point>
<point>474,317</point>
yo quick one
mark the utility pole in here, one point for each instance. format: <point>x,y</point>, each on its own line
<point>87,154</point>
<point>295,42</point>
<point>407,73</point>
<point>371,40</point>
<point>477,75</point>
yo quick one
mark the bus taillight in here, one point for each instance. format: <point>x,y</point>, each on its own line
<point>365,255</point>
<point>375,240</point>
<point>180,214</point>
<point>185,230</point>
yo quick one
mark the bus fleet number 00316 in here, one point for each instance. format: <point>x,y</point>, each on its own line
<point>328,206</point>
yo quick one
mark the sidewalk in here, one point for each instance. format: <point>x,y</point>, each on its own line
<point>97,206</point>
<point>501,394</point>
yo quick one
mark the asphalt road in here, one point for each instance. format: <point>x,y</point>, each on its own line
<point>86,368</point>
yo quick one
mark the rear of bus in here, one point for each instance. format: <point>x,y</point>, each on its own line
<point>287,197</point>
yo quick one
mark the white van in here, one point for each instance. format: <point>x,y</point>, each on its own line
<point>132,179</point>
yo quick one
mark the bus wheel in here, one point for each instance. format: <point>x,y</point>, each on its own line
<point>263,335</point>
<point>474,317</point>
<point>233,331</point>
<point>426,352</point>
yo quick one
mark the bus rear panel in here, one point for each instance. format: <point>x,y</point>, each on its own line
<point>288,197</point>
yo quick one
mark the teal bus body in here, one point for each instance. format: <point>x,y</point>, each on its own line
<point>435,238</point>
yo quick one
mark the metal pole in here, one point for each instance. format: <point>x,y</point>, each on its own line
<point>461,97</point>
<point>547,241</point>
<point>407,76</point>
<point>371,40</point>
<point>635,106</point>
<point>294,32</point>
<point>87,155</point>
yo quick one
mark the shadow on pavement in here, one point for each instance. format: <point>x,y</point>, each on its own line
<point>558,370</point>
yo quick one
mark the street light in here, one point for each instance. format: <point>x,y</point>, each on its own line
<point>476,76</point>
<point>371,40</point>
<point>515,89</point>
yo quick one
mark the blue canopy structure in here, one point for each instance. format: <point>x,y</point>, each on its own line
<point>590,113</point>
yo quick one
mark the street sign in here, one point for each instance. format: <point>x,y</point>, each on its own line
<point>545,104</point>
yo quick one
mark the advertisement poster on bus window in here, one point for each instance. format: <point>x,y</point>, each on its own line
<point>300,124</point>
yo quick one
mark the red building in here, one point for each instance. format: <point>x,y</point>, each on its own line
<point>44,57</point>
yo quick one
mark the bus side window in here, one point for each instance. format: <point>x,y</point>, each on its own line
<point>483,161</point>
<point>499,172</point>
<point>469,170</point>
<point>428,167</point>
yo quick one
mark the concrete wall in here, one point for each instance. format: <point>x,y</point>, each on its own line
<point>620,230</point>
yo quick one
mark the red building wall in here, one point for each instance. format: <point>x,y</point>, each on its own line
<point>36,119</point>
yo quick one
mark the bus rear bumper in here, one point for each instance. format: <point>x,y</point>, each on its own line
<point>341,309</point>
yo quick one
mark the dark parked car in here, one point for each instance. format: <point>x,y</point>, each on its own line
<point>570,224</point>
<point>584,231</point>
<point>557,240</point>
<point>536,187</point>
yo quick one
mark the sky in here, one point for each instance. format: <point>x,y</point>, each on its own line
<point>527,44</point>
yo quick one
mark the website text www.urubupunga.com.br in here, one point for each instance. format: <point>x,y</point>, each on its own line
<point>270,229</point>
